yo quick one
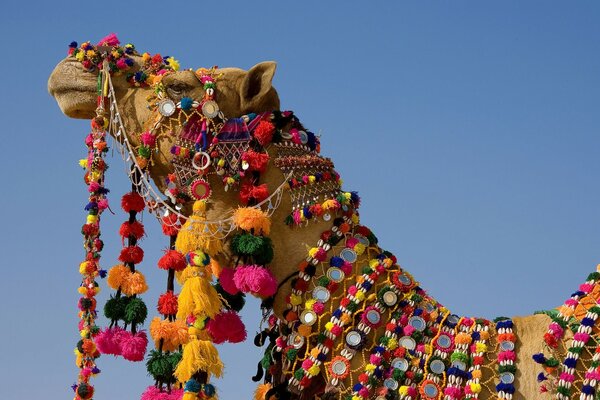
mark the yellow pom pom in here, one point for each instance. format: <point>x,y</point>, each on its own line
<point>83,268</point>
<point>480,347</point>
<point>313,251</point>
<point>83,333</point>
<point>403,390</point>
<point>360,295</point>
<point>81,290</point>
<point>359,248</point>
<point>83,163</point>
<point>311,179</point>
<point>314,370</point>
<point>355,219</point>
<point>309,304</point>
<point>392,343</point>
<point>357,398</point>
<point>91,219</point>
<point>295,299</point>
<point>80,56</point>
<point>329,326</point>
<point>370,367</point>
<point>221,162</point>
<point>475,387</point>
<point>373,263</point>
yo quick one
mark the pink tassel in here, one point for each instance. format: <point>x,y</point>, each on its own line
<point>133,346</point>
<point>227,327</point>
<point>256,280</point>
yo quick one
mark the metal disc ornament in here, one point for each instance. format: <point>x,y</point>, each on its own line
<point>335,274</point>
<point>430,390</point>
<point>321,294</point>
<point>296,341</point>
<point>308,317</point>
<point>437,367</point>
<point>507,378</point>
<point>348,255</point>
<point>400,364</point>
<point>200,189</point>
<point>338,367</point>
<point>210,109</point>
<point>389,298</point>
<point>418,323</point>
<point>166,107</point>
<point>407,342</point>
<point>354,339</point>
<point>444,341</point>
<point>391,383</point>
<point>507,346</point>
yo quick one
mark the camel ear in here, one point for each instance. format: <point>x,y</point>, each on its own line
<point>257,84</point>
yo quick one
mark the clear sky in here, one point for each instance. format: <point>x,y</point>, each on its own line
<point>471,130</point>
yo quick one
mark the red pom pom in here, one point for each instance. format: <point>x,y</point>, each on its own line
<point>264,132</point>
<point>171,224</point>
<point>135,229</point>
<point>226,281</point>
<point>250,192</point>
<point>227,327</point>
<point>167,304</point>
<point>172,260</point>
<point>132,201</point>
<point>131,254</point>
<point>90,230</point>
<point>257,161</point>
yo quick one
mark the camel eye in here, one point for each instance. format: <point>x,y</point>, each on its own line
<point>177,89</point>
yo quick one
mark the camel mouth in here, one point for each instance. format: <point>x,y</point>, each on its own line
<point>74,89</point>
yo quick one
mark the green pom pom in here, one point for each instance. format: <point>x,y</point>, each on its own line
<point>234,302</point>
<point>291,354</point>
<point>299,374</point>
<point>162,365</point>
<point>144,151</point>
<point>551,362</point>
<point>264,255</point>
<point>114,309</point>
<point>246,244</point>
<point>135,312</point>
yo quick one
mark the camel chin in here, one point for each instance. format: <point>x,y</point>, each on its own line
<point>73,89</point>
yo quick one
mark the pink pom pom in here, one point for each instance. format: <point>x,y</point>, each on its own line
<point>408,330</point>
<point>94,186</point>
<point>318,307</point>
<point>148,139</point>
<point>108,341</point>
<point>226,281</point>
<point>256,280</point>
<point>109,40</point>
<point>154,393</point>
<point>133,346</point>
<point>227,327</point>
<point>103,204</point>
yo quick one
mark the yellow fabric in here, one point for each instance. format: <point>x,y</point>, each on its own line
<point>199,355</point>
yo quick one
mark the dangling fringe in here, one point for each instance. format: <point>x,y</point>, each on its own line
<point>197,235</point>
<point>199,355</point>
<point>197,297</point>
<point>261,391</point>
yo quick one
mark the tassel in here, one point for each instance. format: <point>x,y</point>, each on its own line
<point>261,391</point>
<point>198,296</point>
<point>199,355</point>
<point>196,235</point>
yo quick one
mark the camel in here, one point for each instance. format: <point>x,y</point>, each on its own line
<point>239,93</point>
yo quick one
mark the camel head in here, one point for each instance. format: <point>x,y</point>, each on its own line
<point>74,85</point>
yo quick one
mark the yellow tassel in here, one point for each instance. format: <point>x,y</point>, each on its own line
<point>197,297</point>
<point>197,235</point>
<point>189,396</point>
<point>261,391</point>
<point>199,355</point>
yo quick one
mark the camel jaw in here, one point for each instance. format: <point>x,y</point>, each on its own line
<point>74,89</point>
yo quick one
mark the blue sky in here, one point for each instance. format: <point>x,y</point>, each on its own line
<point>470,129</point>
